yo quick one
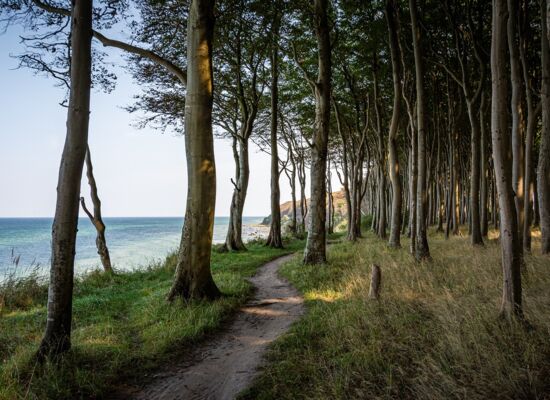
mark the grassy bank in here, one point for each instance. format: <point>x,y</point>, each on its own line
<point>434,334</point>
<point>122,326</point>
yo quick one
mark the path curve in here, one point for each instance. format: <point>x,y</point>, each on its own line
<point>226,365</point>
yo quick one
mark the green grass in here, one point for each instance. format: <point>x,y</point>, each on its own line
<point>434,334</point>
<point>122,326</point>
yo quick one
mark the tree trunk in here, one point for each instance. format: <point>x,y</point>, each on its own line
<point>518,113</point>
<point>484,170</point>
<point>95,218</point>
<point>234,238</point>
<point>543,173</point>
<point>475,222</point>
<point>422,250</point>
<point>502,156</point>
<point>193,278</point>
<point>315,252</point>
<point>274,239</point>
<point>57,336</point>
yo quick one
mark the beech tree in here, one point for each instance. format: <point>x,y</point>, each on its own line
<point>392,12</point>
<point>315,252</point>
<point>502,156</point>
<point>543,172</point>
<point>57,337</point>
<point>95,216</point>
<point>274,239</point>
<point>422,251</point>
<point>193,278</point>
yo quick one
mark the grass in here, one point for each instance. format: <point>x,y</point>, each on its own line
<point>122,326</point>
<point>434,334</point>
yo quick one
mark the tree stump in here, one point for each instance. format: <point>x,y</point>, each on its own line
<point>375,281</point>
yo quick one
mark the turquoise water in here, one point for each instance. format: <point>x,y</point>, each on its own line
<point>133,242</point>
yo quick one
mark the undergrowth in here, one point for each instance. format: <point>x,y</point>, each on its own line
<point>435,333</point>
<point>123,328</point>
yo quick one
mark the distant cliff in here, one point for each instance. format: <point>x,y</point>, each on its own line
<point>286,208</point>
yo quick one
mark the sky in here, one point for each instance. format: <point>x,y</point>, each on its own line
<point>139,172</point>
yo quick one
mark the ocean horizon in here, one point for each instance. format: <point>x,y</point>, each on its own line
<point>134,242</point>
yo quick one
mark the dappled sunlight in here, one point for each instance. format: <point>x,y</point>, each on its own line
<point>264,312</point>
<point>207,167</point>
<point>328,296</point>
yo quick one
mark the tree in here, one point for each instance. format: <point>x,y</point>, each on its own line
<point>57,337</point>
<point>502,157</point>
<point>392,13</point>
<point>193,278</point>
<point>95,218</point>
<point>274,239</point>
<point>315,252</point>
<point>422,250</point>
<point>543,173</point>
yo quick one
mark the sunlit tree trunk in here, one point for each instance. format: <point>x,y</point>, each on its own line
<point>57,336</point>
<point>193,278</point>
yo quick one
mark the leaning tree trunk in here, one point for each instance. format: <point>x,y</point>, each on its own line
<point>193,278</point>
<point>395,177</point>
<point>543,173</point>
<point>95,218</point>
<point>315,252</point>
<point>274,239</point>
<point>422,250</point>
<point>57,337</point>
<point>502,156</point>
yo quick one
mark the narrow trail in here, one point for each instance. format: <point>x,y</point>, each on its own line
<point>226,365</point>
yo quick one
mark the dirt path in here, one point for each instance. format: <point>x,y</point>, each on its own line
<point>226,365</point>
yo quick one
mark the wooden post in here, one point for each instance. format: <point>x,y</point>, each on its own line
<point>375,281</point>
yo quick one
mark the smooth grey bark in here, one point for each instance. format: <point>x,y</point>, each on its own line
<point>234,238</point>
<point>484,223</point>
<point>95,217</point>
<point>57,336</point>
<point>543,172</point>
<point>502,156</point>
<point>291,175</point>
<point>315,252</point>
<point>248,103</point>
<point>193,278</point>
<point>274,239</point>
<point>518,111</point>
<point>422,250</point>
<point>392,12</point>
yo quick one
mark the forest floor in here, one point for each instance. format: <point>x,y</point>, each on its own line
<point>435,333</point>
<point>123,328</point>
<point>226,364</point>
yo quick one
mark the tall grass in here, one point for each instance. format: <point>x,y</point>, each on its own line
<point>122,326</point>
<point>21,285</point>
<point>434,334</point>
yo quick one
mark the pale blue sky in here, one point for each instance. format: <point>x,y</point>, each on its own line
<point>140,172</point>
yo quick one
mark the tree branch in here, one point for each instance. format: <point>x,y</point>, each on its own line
<point>107,42</point>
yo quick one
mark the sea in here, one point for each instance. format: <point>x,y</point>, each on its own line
<point>25,243</point>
